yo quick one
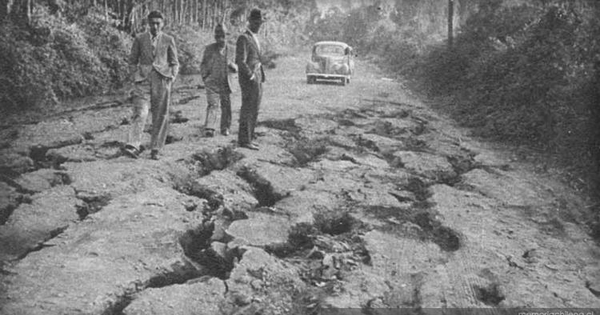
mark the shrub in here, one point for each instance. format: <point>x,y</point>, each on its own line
<point>52,58</point>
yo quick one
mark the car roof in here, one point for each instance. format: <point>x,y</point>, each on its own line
<point>332,43</point>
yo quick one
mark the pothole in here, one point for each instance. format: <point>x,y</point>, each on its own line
<point>307,150</point>
<point>461,163</point>
<point>387,129</point>
<point>326,252</point>
<point>332,232</point>
<point>212,254</point>
<point>263,190</point>
<point>417,223</point>
<point>490,295</point>
<point>214,200</point>
<point>419,188</point>
<point>208,161</point>
<point>92,203</point>
<point>39,153</point>
<point>334,222</point>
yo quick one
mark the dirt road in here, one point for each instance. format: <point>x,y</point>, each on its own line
<point>359,197</point>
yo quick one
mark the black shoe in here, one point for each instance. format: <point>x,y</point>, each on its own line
<point>154,154</point>
<point>131,151</point>
<point>209,133</point>
<point>225,132</point>
<point>249,146</point>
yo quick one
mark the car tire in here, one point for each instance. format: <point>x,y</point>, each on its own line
<point>343,80</point>
<point>310,79</point>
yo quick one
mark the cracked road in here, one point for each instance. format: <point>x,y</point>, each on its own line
<point>360,197</point>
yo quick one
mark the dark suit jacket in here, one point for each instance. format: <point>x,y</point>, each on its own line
<point>248,58</point>
<point>143,57</point>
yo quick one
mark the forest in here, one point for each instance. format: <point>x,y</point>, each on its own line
<point>524,73</point>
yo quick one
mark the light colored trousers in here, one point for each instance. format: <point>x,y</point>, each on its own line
<point>212,103</point>
<point>158,89</point>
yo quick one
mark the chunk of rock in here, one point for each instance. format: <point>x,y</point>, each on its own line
<point>16,162</point>
<point>41,180</point>
<point>225,188</point>
<point>261,229</point>
<point>424,164</point>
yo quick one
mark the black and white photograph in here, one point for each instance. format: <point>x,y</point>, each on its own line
<point>301,157</point>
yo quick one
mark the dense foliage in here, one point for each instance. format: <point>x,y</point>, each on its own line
<point>52,58</point>
<point>527,74</point>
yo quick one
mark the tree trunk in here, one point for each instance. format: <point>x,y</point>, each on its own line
<point>203,14</point>
<point>450,23</point>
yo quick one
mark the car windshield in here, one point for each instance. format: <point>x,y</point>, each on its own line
<point>329,50</point>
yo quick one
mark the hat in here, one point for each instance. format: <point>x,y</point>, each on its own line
<point>155,15</point>
<point>220,28</point>
<point>256,14</point>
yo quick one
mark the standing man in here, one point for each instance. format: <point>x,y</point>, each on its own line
<point>251,76</point>
<point>215,68</point>
<point>153,65</point>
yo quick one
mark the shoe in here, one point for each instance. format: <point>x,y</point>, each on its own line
<point>209,133</point>
<point>249,146</point>
<point>154,154</point>
<point>131,151</point>
<point>225,132</point>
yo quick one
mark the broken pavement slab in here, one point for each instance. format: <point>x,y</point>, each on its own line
<point>261,229</point>
<point>197,297</point>
<point>94,266</point>
<point>31,224</point>
<point>431,166</point>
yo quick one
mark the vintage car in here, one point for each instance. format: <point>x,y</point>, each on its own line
<point>330,60</point>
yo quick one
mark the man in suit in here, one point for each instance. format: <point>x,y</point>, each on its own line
<point>251,76</point>
<point>153,65</point>
<point>215,68</point>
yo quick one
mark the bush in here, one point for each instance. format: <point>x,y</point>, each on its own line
<point>52,58</point>
<point>526,75</point>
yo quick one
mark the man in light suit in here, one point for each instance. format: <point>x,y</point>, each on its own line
<point>153,65</point>
<point>251,76</point>
<point>215,68</point>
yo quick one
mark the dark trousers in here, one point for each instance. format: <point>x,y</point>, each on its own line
<point>251,97</point>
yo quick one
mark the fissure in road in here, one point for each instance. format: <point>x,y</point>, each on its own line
<point>359,197</point>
